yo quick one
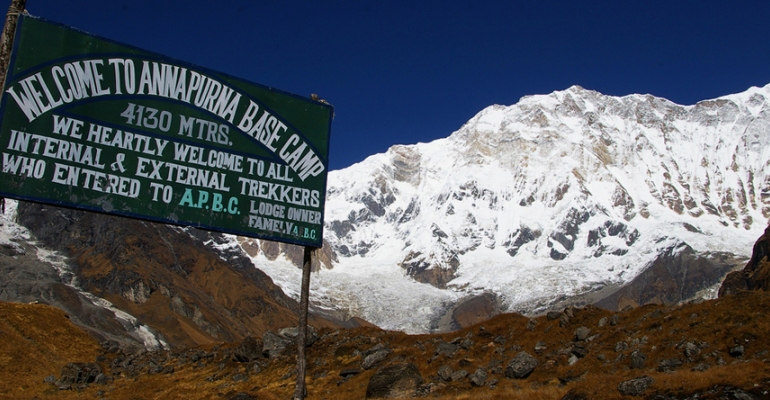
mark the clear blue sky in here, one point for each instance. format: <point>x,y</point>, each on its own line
<point>403,72</point>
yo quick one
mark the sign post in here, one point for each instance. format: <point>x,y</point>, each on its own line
<point>93,124</point>
<point>307,260</point>
<point>6,40</point>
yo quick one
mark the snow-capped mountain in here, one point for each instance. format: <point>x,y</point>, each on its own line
<point>559,195</point>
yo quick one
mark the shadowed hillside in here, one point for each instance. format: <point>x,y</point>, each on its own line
<point>170,279</point>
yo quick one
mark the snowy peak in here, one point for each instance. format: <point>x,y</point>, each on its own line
<point>682,151</point>
<point>558,195</point>
<point>616,156</point>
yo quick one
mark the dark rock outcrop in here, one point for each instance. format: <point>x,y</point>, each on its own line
<point>675,276</point>
<point>476,309</point>
<point>756,274</point>
<point>74,375</point>
<point>432,269</point>
<point>479,378</point>
<point>638,359</point>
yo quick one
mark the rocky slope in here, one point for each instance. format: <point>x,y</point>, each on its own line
<point>573,194</point>
<point>717,349</point>
<point>139,283</point>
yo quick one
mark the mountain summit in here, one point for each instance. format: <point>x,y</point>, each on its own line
<point>572,196</point>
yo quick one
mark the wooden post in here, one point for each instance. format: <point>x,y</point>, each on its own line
<point>6,39</point>
<point>6,45</point>
<point>299,391</point>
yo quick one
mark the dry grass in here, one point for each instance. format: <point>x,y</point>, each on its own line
<point>36,341</point>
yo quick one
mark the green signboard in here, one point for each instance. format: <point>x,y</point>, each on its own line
<point>94,124</point>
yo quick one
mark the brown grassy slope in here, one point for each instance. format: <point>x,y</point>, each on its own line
<point>35,342</point>
<point>659,332</point>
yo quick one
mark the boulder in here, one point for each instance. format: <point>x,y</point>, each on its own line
<point>292,333</point>
<point>700,367</point>
<point>635,386</point>
<point>447,349</point>
<point>691,351</point>
<point>274,345</point>
<point>395,381</point>
<point>459,375</point>
<point>374,349</point>
<point>669,365</point>
<point>581,334</point>
<point>521,366</point>
<point>445,373</point>
<point>249,350</point>
<point>552,315</point>
<point>373,359</point>
<point>638,359</point>
<point>579,351</point>
<point>479,378</point>
<point>736,351</point>
<point>79,374</point>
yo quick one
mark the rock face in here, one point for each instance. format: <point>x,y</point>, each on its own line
<point>169,278</point>
<point>756,274</point>
<point>33,273</point>
<point>678,274</point>
<point>323,258</point>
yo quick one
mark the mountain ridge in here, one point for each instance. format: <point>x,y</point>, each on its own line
<point>533,195</point>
